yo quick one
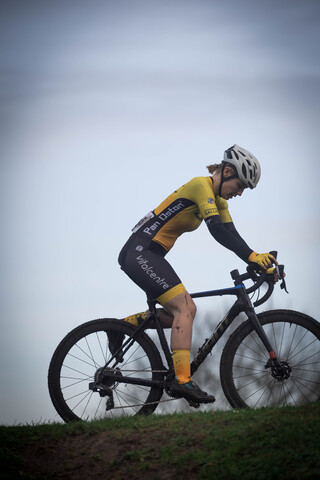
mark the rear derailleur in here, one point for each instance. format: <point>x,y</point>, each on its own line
<point>102,384</point>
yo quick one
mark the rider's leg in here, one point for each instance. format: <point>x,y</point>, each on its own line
<point>143,261</point>
<point>178,313</point>
<point>166,319</point>
<point>183,310</point>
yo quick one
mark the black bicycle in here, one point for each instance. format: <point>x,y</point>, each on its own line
<point>271,359</point>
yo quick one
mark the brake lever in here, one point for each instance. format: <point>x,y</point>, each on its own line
<point>280,271</point>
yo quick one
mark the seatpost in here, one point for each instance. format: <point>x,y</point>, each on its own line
<point>162,338</point>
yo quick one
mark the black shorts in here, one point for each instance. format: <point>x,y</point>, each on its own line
<point>143,261</point>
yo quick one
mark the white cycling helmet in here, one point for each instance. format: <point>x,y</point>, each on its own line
<point>247,166</point>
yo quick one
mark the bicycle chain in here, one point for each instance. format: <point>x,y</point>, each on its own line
<point>148,403</point>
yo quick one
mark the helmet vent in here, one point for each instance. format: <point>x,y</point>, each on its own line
<point>246,165</point>
<point>228,152</point>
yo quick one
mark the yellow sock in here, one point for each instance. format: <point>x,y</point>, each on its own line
<point>136,318</point>
<point>181,363</point>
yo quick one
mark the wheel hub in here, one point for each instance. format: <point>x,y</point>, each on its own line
<point>104,376</point>
<point>281,372</point>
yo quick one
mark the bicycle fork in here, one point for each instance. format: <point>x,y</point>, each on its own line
<point>280,370</point>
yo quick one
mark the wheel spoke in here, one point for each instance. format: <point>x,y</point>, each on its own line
<point>296,341</point>
<point>84,361</point>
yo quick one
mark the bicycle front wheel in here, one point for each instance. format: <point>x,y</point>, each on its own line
<point>80,357</point>
<point>246,375</point>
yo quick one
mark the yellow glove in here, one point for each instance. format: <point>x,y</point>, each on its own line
<point>275,273</point>
<point>264,260</point>
<point>271,271</point>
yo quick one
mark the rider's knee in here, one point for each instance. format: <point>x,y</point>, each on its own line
<point>188,307</point>
<point>182,304</point>
<point>192,308</point>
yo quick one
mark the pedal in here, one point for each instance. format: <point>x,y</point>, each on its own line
<point>193,404</point>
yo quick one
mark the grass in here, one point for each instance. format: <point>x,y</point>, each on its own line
<point>264,444</point>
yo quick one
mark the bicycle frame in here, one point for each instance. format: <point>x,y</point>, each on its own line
<point>242,304</point>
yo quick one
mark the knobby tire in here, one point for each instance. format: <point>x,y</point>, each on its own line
<point>79,356</point>
<point>296,340</point>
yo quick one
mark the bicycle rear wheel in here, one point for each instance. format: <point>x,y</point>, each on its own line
<point>248,380</point>
<point>76,363</point>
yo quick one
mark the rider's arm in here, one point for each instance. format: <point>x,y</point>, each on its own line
<point>227,238</point>
<point>214,210</point>
<point>230,226</point>
<point>263,259</point>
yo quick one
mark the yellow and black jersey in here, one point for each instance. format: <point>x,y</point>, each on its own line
<point>183,211</point>
<point>142,257</point>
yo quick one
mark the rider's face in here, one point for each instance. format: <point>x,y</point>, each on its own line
<point>232,188</point>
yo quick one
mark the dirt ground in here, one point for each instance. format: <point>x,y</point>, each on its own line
<point>95,456</point>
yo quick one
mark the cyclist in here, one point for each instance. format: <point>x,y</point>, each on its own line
<point>143,256</point>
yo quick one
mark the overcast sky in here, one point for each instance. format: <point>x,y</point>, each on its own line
<point>106,108</point>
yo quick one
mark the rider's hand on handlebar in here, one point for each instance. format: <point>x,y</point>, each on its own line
<point>273,271</point>
<point>264,260</point>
